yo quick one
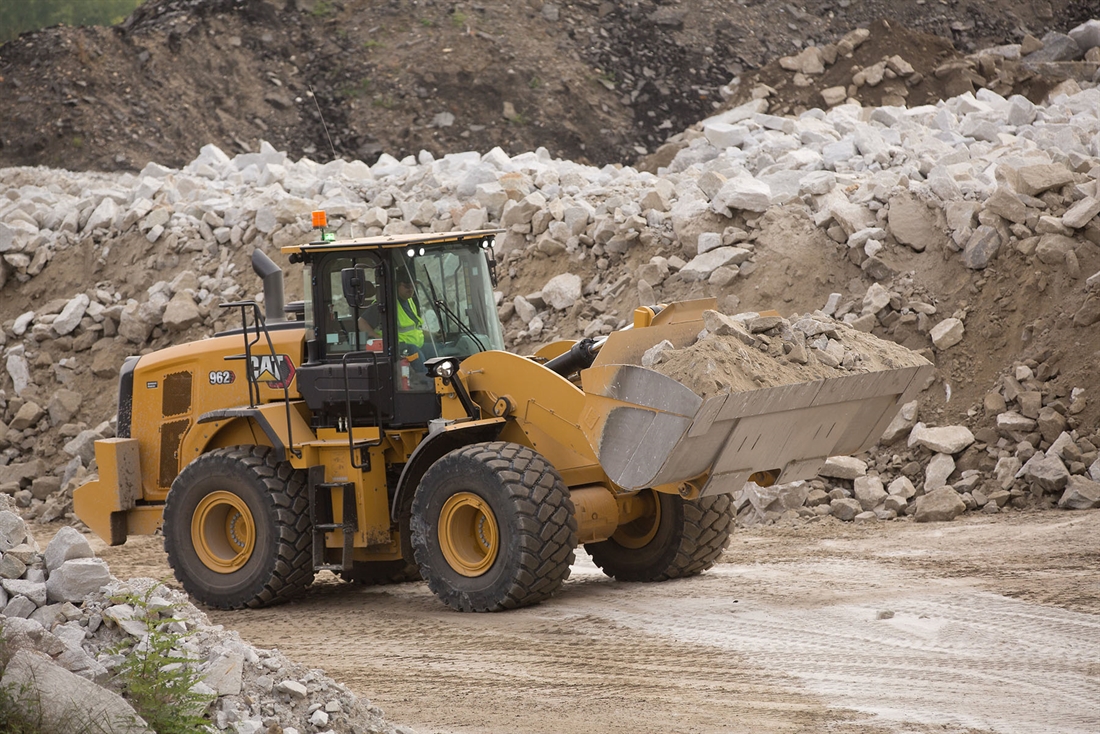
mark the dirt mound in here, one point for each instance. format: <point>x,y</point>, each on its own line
<point>597,82</point>
<point>750,351</point>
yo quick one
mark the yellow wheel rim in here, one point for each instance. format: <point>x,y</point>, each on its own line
<point>223,532</point>
<point>468,534</point>
<point>639,532</point>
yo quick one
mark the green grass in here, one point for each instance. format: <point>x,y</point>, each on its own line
<point>426,22</point>
<point>323,9</point>
<point>372,43</point>
<point>458,18</point>
<point>357,90</point>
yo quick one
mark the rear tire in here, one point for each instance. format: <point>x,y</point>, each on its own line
<point>493,528</point>
<point>237,529</point>
<point>678,538</point>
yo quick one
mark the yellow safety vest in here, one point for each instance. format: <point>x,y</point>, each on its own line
<point>409,323</point>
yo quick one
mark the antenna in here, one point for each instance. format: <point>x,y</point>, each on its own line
<point>323,124</point>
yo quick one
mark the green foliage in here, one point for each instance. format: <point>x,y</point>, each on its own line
<point>426,22</point>
<point>458,18</point>
<point>372,43</point>
<point>357,90</point>
<point>19,17</point>
<point>323,9</point>
<point>156,678</point>
<point>535,82</point>
<point>384,101</point>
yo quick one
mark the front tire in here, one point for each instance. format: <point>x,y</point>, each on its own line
<point>237,529</point>
<point>493,528</point>
<point>674,539</point>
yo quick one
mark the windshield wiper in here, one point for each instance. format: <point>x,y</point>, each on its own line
<point>439,304</point>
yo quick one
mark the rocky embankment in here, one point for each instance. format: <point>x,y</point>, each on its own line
<point>68,625</point>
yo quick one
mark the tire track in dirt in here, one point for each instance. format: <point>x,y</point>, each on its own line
<point>942,654</point>
<point>785,635</point>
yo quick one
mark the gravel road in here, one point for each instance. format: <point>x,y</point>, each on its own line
<point>982,624</point>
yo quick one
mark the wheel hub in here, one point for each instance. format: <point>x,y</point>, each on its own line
<point>468,534</point>
<point>223,532</point>
<point>640,531</point>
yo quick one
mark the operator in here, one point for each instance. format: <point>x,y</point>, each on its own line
<point>410,325</point>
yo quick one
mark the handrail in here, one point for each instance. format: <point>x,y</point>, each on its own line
<point>344,361</point>
<point>260,324</point>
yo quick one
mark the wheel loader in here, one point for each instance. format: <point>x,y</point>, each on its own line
<point>379,430</point>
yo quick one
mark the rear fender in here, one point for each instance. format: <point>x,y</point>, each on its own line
<point>263,425</point>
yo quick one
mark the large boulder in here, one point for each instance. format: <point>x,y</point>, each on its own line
<point>1080,494</point>
<point>73,580</point>
<point>868,492</point>
<point>843,467</point>
<point>912,223</point>
<point>1048,473</point>
<point>939,505</point>
<point>61,701</point>
<point>562,291</point>
<point>66,545</point>
<point>941,439</point>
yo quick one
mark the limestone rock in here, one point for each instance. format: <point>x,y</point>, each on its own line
<point>742,192</point>
<point>845,509</point>
<point>912,223</point>
<point>562,291</point>
<point>938,470</point>
<point>75,579</point>
<point>70,316</point>
<point>947,333</point>
<point>939,505</point>
<point>1048,473</point>
<point>701,266</point>
<point>65,701</point>
<point>1080,494</point>
<point>902,487</point>
<point>843,467</point>
<point>181,312</point>
<point>868,491</point>
<point>1035,179</point>
<point>67,544</point>
<point>902,423</point>
<point>942,439</point>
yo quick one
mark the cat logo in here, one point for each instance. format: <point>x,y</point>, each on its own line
<point>276,370</point>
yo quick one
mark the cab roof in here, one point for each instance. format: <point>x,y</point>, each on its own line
<point>384,241</point>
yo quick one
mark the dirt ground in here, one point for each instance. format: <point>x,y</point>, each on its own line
<point>603,82</point>
<point>985,624</point>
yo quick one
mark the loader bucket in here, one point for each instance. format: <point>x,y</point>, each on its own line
<point>648,430</point>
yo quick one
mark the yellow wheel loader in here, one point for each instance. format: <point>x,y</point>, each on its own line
<point>380,431</point>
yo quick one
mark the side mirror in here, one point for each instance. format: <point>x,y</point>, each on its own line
<point>357,289</point>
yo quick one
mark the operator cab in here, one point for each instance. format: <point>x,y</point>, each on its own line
<point>377,308</point>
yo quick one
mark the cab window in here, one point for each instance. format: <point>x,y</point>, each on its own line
<point>346,327</point>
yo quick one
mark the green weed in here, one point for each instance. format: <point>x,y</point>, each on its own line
<point>156,678</point>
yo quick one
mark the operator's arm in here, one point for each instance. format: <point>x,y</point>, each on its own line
<point>369,321</point>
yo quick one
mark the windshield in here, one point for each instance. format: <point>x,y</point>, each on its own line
<point>453,292</point>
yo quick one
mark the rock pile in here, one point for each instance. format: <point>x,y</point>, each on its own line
<point>981,182</point>
<point>751,350</point>
<point>1029,453</point>
<point>63,616</point>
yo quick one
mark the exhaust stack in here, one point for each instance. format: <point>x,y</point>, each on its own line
<point>272,276</point>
